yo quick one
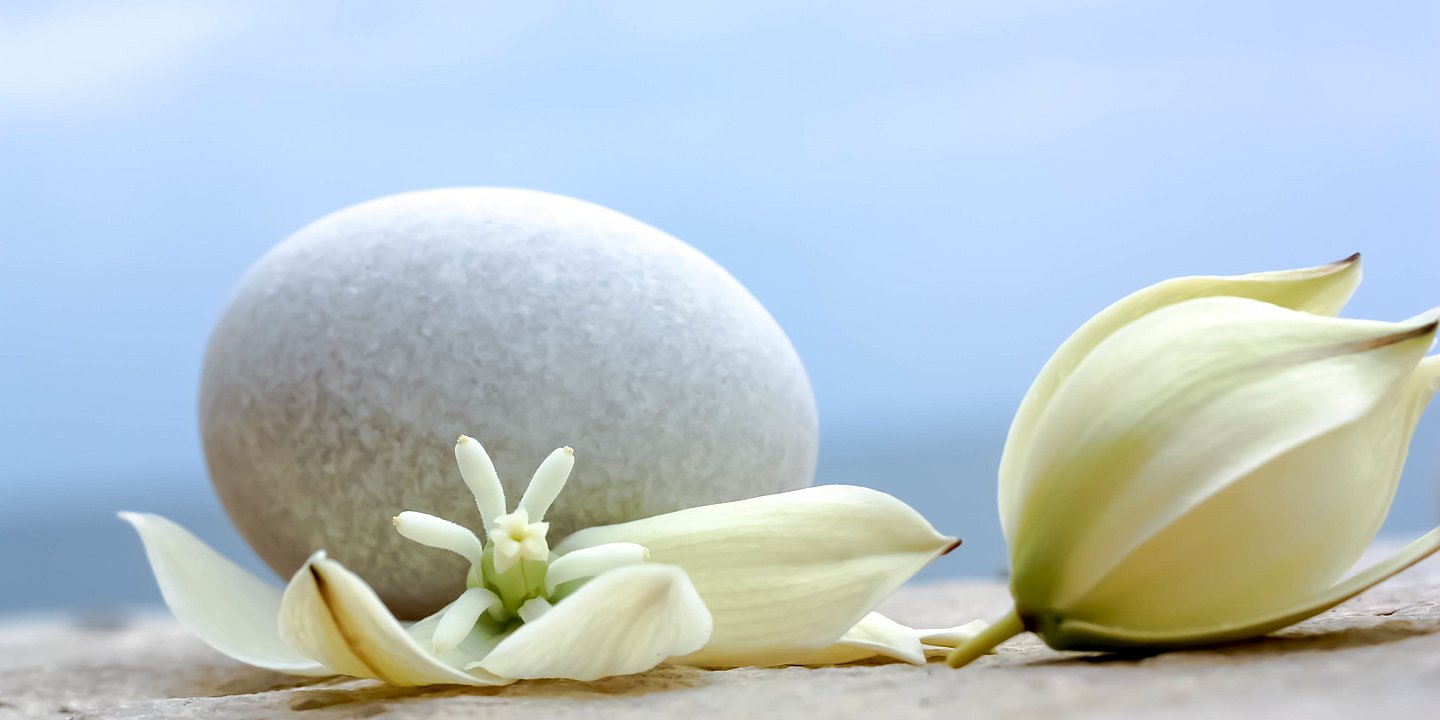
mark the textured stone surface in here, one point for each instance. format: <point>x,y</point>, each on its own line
<point>356,351</point>
<point>1376,656</point>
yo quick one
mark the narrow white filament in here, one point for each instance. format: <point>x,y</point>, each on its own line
<point>589,562</point>
<point>480,476</point>
<point>439,533</point>
<point>547,483</point>
<point>534,608</point>
<point>460,618</point>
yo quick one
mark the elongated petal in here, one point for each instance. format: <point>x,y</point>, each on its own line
<point>1173,409</point>
<point>1429,373</point>
<point>227,607</point>
<point>1320,290</point>
<point>792,570</point>
<point>330,614</point>
<point>1328,496</point>
<point>546,484</point>
<point>1077,635</point>
<point>624,621</point>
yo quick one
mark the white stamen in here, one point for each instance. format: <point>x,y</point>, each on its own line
<point>549,479</point>
<point>592,561</point>
<point>460,618</point>
<point>480,476</point>
<point>534,608</point>
<point>439,533</point>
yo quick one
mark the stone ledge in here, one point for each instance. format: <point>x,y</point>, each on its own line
<point>1378,655</point>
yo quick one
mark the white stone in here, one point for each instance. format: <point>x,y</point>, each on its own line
<point>355,352</point>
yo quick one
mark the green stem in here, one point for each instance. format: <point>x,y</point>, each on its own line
<point>999,631</point>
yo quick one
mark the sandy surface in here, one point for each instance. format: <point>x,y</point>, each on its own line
<point>1378,655</point>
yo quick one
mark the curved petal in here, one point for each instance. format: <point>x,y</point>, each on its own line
<point>624,621</point>
<point>1321,290</point>
<point>792,570</point>
<point>330,614</point>
<point>1329,495</point>
<point>1146,429</point>
<point>227,607</point>
<point>1429,373</point>
<point>1075,635</point>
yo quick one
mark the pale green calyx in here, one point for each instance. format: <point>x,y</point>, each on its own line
<point>1208,469</point>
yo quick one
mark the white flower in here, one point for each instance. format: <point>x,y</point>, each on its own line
<point>782,579</point>
<point>1195,465</point>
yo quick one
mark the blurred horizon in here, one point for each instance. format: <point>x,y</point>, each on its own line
<point>928,197</point>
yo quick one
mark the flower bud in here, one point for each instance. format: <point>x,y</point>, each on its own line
<point>1208,472</point>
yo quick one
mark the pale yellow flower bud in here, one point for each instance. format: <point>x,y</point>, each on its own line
<point>1207,472</point>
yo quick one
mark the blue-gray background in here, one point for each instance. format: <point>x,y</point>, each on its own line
<point>928,196</point>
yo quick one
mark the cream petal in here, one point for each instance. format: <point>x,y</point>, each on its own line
<point>1429,373</point>
<point>1328,496</point>
<point>1321,290</point>
<point>792,570</point>
<point>330,614</point>
<point>875,636</point>
<point>624,621</point>
<point>1079,635</point>
<point>1145,430</point>
<point>230,609</point>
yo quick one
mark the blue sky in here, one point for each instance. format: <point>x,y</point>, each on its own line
<point>927,196</point>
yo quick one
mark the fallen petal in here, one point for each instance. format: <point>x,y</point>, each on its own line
<point>330,614</point>
<point>230,609</point>
<point>624,621</point>
<point>793,571</point>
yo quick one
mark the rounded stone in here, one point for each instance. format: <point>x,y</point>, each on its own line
<point>353,354</point>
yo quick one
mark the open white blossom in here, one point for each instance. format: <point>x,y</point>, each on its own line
<point>783,579</point>
<point>1205,460</point>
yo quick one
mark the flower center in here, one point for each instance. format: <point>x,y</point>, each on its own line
<point>512,578</point>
